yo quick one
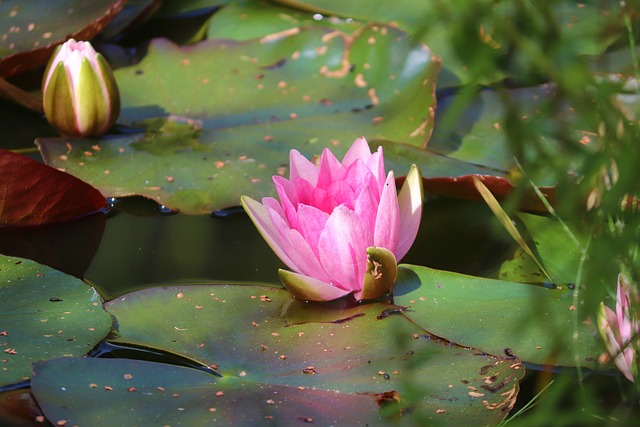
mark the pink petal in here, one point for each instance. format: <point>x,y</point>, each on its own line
<point>358,150</point>
<point>288,199</point>
<point>387,227</point>
<point>359,176</point>
<point>272,203</point>
<point>312,222</point>
<point>341,193</point>
<point>304,189</point>
<point>297,249</point>
<point>376,166</point>
<point>330,169</point>
<point>410,205</point>
<point>301,167</point>
<point>366,208</point>
<point>343,244</point>
<point>321,199</point>
<point>261,217</point>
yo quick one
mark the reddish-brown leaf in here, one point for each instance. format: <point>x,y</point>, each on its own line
<point>462,187</point>
<point>32,193</point>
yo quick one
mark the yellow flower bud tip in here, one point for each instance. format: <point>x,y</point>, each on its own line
<point>80,95</point>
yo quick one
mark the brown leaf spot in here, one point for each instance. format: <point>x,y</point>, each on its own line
<point>371,93</point>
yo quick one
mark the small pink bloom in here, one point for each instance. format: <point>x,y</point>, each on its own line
<point>619,329</point>
<point>340,226</point>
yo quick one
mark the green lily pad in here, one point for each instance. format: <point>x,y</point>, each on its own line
<point>44,314</point>
<point>31,30</point>
<point>101,392</point>
<point>466,36</point>
<point>188,175</point>
<point>557,252</point>
<point>309,90</point>
<point>534,323</point>
<point>246,19</point>
<point>261,341</point>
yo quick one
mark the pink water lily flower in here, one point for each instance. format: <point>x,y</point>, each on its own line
<point>620,329</point>
<point>340,226</point>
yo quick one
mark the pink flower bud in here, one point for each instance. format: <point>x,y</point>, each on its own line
<point>79,93</point>
<point>620,329</point>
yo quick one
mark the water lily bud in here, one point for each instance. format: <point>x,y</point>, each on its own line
<point>619,329</point>
<point>79,92</point>
<point>340,226</point>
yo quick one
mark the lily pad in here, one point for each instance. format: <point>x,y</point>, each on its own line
<point>558,252</point>
<point>313,88</point>
<point>44,314</point>
<point>31,30</point>
<point>183,173</point>
<point>534,323</point>
<point>485,30</point>
<point>246,19</point>
<point>277,344</point>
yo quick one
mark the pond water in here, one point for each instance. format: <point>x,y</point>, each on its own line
<point>137,244</point>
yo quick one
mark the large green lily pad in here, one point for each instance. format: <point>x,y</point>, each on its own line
<point>243,106</point>
<point>44,314</point>
<point>194,178</point>
<point>262,341</point>
<point>101,392</point>
<point>534,323</point>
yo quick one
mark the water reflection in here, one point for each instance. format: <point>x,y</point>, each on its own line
<point>143,246</point>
